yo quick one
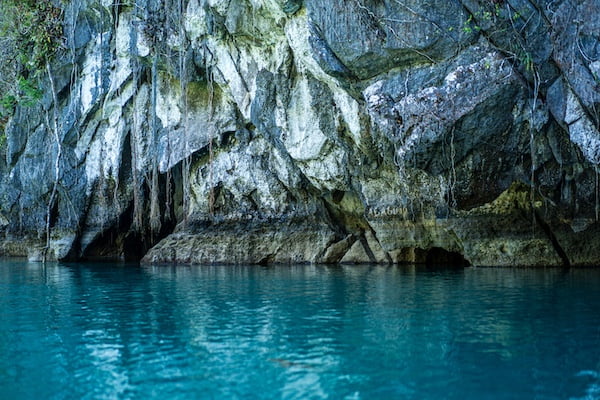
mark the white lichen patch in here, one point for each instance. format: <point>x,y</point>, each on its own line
<point>304,140</point>
<point>91,76</point>
<point>122,69</point>
<point>195,20</point>
<point>168,99</point>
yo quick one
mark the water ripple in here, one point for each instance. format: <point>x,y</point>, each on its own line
<point>298,332</point>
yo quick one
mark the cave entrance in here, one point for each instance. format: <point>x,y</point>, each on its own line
<point>437,256</point>
<point>114,246</point>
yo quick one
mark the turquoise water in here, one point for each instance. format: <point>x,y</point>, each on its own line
<point>87,331</point>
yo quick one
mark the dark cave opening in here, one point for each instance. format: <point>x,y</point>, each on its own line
<point>437,256</point>
<point>123,241</point>
<point>117,243</point>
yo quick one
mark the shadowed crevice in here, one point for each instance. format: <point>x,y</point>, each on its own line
<point>555,244</point>
<point>438,256</point>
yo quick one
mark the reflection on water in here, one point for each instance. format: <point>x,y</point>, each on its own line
<point>123,331</point>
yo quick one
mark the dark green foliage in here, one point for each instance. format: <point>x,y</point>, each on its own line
<point>8,103</point>
<point>34,28</point>
<point>29,92</point>
<point>30,35</point>
<point>26,93</point>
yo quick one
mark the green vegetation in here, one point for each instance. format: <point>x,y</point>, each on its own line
<point>26,94</point>
<point>484,16</point>
<point>505,27</point>
<point>30,35</point>
<point>469,26</point>
<point>33,28</point>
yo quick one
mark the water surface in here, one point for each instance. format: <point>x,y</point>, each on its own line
<point>102,331</point>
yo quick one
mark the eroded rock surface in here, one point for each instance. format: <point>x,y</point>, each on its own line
<point>261,131</point>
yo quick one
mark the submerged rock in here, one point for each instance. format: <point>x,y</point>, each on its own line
<point>306,131</point>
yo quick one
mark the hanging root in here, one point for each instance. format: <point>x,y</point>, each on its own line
<point>185,171</point>
<point>155,223</point>
<point>211,93</point>
<point>54,128</point>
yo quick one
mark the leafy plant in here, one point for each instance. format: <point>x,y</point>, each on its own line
<point>33,28</point>
<point>30,35</point>
<point>30,93</point>
<point>26,94</point>
<point>469,25</point>
<point>527,61</point>
<point>8,102</point>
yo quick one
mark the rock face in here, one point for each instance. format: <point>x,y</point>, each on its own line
<point>260,131</point>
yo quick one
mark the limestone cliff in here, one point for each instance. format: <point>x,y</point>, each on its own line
<point>258,131</point>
